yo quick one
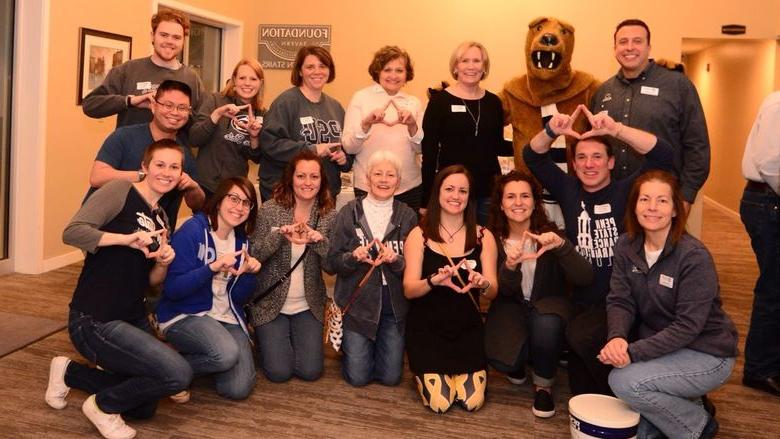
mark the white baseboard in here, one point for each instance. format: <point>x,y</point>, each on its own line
<point>62,260</point>
<point>721,207</point>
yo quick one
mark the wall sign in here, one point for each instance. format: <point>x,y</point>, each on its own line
<point>278,43</point>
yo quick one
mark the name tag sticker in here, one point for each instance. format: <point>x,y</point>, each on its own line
<point>666,281</point>
<point>458,108</point>
<point>601,209</point>
<point>259,119</point>
<point>652,91</point>
<point>307,120</point>
<point>146,85</point>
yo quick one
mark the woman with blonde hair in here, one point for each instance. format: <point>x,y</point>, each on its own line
<point>227,126</point>
<point>464,124</point>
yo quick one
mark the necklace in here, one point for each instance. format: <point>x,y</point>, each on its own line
<point>475,119</point>
<point>452,235</point>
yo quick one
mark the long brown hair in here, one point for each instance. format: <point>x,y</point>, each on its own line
<point>498,223</point>
<point>431,221</point>
<point>633,228</point>
<point>246,186</point>
<point>283,192</point>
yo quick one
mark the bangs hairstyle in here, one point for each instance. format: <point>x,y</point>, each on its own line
<point>431,221</point>
<point>173,16</point>
<point>245,186</point>
<point>159,145</point>
<point>384,155</point>
<point>633,228</point>
<point>498,223</point>
<point>171,84</point>
<point>631,22</point>
<point>230,88</point>
<point>284,194</point>
<point>384,56</point>
<point>321,53</point>
<point>457,54</point>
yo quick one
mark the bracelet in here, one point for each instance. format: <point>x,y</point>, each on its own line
<point>549,131</point>
<point>429,281</point>
<point>488,286</point>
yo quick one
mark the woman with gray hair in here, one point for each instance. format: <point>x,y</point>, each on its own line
<point>383,117</point>
<point>366,254</point>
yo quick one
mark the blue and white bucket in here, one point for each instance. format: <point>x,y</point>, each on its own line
<point>601,417</point>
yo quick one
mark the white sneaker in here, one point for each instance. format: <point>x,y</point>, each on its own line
<point>110,426</point>
<point>181,397</point>
<point>57,390</point>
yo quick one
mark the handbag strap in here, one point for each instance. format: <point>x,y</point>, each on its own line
<point>268,290</point>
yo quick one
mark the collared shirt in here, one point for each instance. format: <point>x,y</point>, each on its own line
<point>761,162</point>
<point>665,103</point>
<point>393,138</point>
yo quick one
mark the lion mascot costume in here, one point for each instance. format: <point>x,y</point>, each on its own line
<point>550,86</point>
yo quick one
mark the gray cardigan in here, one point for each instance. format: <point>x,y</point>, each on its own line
<point>676,302</point>
<point>274,252</point>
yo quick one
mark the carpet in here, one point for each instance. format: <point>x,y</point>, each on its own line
<point>18,331</point>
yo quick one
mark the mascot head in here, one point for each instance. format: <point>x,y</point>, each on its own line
<point>548,50</point>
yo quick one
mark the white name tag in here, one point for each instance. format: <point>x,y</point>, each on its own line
<point>666,281</point>
<point>601,209</point>
<point>652,91</point>
<point>307,120</point>
<point>458,108</point>
<point>549,110</point>
<point>146,85</point>
<point>259,119</point>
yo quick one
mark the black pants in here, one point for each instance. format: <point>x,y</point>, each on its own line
<point>586,334</point>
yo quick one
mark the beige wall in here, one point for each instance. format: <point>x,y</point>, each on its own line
<point>741,74</point>
<point>429,30</point>
<point>73,139</point>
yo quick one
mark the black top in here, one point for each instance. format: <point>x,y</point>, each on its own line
<point>113,280</point>
<point>449,126</point>
<point>444,331</point>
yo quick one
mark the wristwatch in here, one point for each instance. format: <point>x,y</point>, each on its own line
<point>141,175</point>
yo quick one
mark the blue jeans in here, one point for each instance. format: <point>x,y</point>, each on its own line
<point>291,345</point>
<point>138,368</point>
<point>666,390</point>
<point>381,360</point>
<point>759,213</point>
<point>544,344</point>
<point>214,347</point>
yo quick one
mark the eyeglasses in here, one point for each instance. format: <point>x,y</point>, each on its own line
<point>170,106</point>
<point>235,201</point>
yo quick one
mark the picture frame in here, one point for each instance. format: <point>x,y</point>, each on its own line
<point>99,52</point>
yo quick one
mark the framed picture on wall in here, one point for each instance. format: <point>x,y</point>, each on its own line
<point>99,52</point>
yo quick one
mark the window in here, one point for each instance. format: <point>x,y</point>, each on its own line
<point>203,53</point>
<point>6,69</point>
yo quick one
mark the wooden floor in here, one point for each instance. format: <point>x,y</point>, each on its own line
<point>331,408</point>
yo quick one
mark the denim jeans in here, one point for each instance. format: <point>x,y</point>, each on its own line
<point>214,347</point>
<point>138,368</point>
<point>759,213</point>
<point>381,360</point>
<point>291,345</point>
<point>666,390</point>
<point>544,344</point>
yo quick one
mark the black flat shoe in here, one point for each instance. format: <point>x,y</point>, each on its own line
<point>769,385</point>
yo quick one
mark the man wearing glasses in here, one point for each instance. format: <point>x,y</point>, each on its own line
<point>121,153</point>
<point>129,88</point>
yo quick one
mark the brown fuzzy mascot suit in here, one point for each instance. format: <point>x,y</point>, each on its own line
<point>549,86</point>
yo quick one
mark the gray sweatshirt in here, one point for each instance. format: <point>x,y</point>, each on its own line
<point>135,77</point>
<point>676,301</point>
<point>294,123</point>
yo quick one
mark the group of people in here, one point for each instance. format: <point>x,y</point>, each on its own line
<point>415,254</point>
